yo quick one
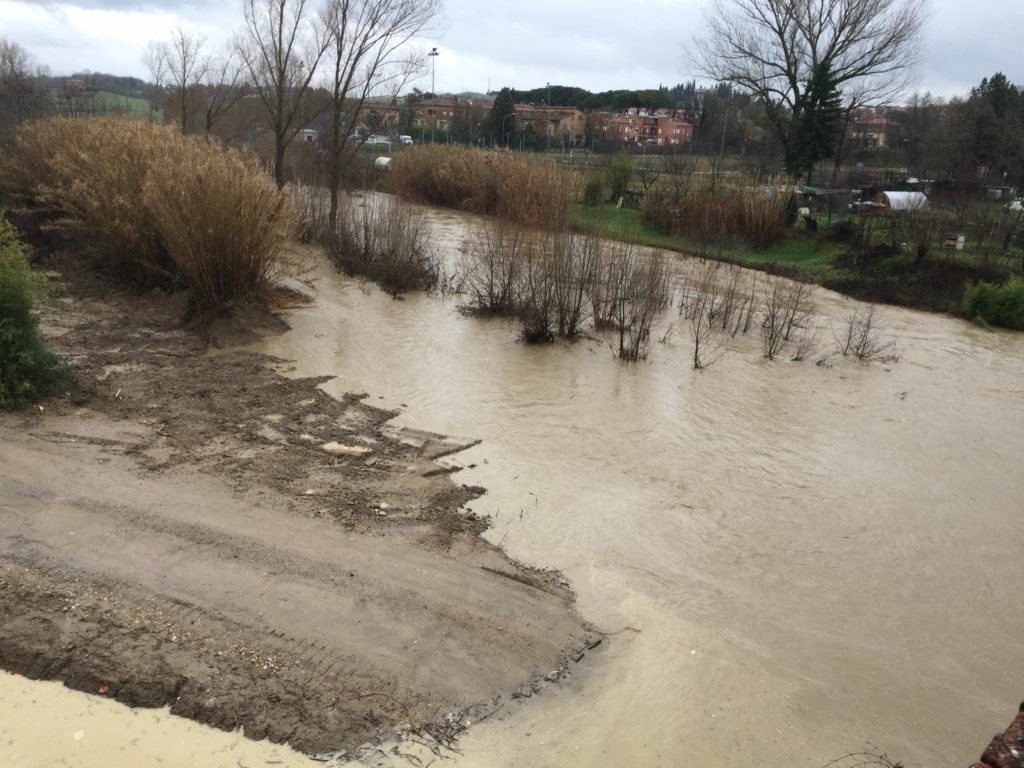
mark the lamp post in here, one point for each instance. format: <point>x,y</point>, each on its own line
<point>433,85</point>
<point>433,71</point>
<point>551,124</point>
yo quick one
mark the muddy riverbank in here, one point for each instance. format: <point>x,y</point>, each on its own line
<point>193,530</point>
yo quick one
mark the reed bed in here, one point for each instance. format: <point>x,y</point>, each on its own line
<point>169,209</point>
<point>509,185</point>
<point>715,212</point>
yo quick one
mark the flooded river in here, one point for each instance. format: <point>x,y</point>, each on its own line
<point>798,559</point>
<point>815,557</point>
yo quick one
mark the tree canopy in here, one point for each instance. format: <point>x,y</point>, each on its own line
<point>772,48</point>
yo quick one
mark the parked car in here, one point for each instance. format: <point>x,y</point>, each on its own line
<point>405,139</point>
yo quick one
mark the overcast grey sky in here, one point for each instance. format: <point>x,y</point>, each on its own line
<point>595,44</point>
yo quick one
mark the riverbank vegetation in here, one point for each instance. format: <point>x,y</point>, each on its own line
<point>28,369</point>
<point>510,185</point>
<point>167,210</point>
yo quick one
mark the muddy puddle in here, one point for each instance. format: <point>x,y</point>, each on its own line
<point>795,559</point>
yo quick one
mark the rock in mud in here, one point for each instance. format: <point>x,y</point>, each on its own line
<point>1006,750</point>
<point>346,450</point>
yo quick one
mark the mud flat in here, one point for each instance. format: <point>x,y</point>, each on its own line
<point>193,530</point>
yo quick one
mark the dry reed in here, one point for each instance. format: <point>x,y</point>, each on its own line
<point>713,212</point>
<point>168,207</point>
<point>510,185</point>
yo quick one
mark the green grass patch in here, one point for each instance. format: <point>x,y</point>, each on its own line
<point>625,224</point>
<point>810,254</point>
<point>803,252</point>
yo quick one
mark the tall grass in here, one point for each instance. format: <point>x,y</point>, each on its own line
<point>712,212</point>
<point>169,208</point>
<point>510,185</point>
<point>27,368</point>
<point>220,220</point>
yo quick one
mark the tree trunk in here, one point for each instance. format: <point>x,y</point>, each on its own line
<point>279,148</point>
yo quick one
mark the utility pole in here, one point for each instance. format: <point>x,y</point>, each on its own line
<point>551,125</point>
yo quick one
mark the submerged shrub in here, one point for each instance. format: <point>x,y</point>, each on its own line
<point>386,241</point>
<point>27,368</point>
<point>168,207</point>
<point>996,304</point>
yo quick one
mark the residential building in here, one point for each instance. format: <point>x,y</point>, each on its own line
<point>556,122</point>
<point>662,128</point>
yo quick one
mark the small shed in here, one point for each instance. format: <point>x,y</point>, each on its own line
<point>903,201</point>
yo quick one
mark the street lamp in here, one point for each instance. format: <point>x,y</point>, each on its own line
<point>551,122</point>
<point>433,71</point>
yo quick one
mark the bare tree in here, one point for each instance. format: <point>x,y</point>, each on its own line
<point>154,59</point>
<point>23,95</point>
<point>770,48</point>
<point>182,63</point>
<point>860,337</point>
<point>223,86</point>
<point>281,47</point>
<point>186,67</point>
<point>701,333</point>
<point>370,52</point>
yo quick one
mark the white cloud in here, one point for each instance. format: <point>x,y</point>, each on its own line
<point>595,44</point>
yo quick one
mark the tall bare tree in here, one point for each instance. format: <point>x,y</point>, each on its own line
<point>371,53</point>
<point>281,47</point>
<point>771,49</point>
<point>23,93</point>
<point>223,86</point>
<point>183,64</point>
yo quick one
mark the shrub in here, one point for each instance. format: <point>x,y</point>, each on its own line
<point>94,171</point>
<point>167,206</point>
<point>620,173</point>
<point>312,208</point>
<point>593,191</point>
<point>385,240</point>
<point>996,304</point>
<point>494,264</point>
<point>511,185</point>
<point>221,221</point>
<point>27,368</point>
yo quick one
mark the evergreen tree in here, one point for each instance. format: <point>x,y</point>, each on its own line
<point>501,122</point>
<point>816,124</point>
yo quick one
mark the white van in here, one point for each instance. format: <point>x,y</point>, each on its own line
<point>405,139</point>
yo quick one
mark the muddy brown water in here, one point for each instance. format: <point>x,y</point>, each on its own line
<point>797,559</point>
